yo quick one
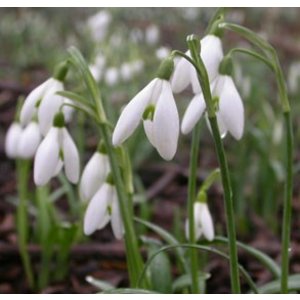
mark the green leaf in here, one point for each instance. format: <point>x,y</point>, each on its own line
<point>99,284</point>
<point>160,271</point>
<point>170,239</point>
<point>185,281</point>
<point>274,287</point>
<point>266,260</point>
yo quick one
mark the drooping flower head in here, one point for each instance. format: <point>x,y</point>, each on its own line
<point>94,173</point>
<point>155,105</point>
<point>12,139</point>
<point>102,208</point>
<point>44,103</point>
<point>57,150</point>
<point>227,101</point>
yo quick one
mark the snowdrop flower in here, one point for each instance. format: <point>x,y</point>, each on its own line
<point>154,104</point>
<point>203,222</point>
<point>185,74</point>
<point>29,141</point>
<point>126,71</point>
<point>56,150</point>
<point>111,76</point>
<point>137,66</point>
<point>162,53</point>
<point>94,174</point>
<point>44,102</point>
<point>98,24</point>
<point>12,140</point>
<point>104,207</point>
<point>152,34</point>
<point>228,104</point>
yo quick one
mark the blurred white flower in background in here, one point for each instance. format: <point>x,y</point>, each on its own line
<point>12,139</point>
<point>126,71</point>
<point>294,77</point>
<point>190,13</point>
<point>152,34</point>
<point>136,35</point>
<point>162,53</point>
<point>137,66</point>
<point>111,76</point>
<point>98,24</point>
<point>97,69</point>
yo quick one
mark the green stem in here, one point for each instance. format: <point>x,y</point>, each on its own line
<point>287,208</point>
<point>230,219</point>
<point>23,167</point>
<point>134,258</point>
<point>229,211</point>
<point>191,200</point>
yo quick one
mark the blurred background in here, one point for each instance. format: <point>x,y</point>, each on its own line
<point>124,47</point>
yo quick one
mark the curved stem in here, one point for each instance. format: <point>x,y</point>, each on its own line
<point>203,248</point>
<point>230,219</point>
<point>191,199</point>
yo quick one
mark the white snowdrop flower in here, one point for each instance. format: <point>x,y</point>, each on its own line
<point>29,141</point>
<point>162,53</point>
<point>98,24</point>
<point>12,139</point>
<point>294,77</point>
<point>56,150</point>
<point>111,76</point>
<point>155,105</point>
<point>96,72</point>
<point>228,104</point>
<point>102,208</point>
<point>126,71</point>
<point>152,34</point>
<point>94,175</point>
<point>185,74</point>
<point>137,66</point>
<point>43,101</point>
<point>136,35</point>
<point>203,222</point>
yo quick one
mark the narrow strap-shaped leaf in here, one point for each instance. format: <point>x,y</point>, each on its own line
<point>185,281</point>
<point>129,291</point>
<point>170,239</point>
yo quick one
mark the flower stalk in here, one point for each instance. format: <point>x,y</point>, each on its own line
<point>193,44</point>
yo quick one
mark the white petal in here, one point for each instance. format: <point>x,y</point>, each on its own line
<point>116,219</point>
<point>48,108</point>
<point>212,55</point>
<point>232,109</point>
<point>166,123</point>
<point>195,81</point>
<point>197,231</point>
<point>47,157</point>
<point>93,175</point>
<point>206,222</point>
<point>193,113</point>
<point>28,109</point>
<point>71,157</point>
<point>29,141</point>
<point>97,209</point>
<point>132,114</point>
<point>12,140</point>
<point>221,125</point>
<point>148,127</point>
<point>181,75</point>
<point>67,110</point>
<point>58,168</point>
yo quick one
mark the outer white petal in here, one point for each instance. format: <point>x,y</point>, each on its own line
<point>67,110</point>
<point>58,168</point>
<point>71,157</point>
<point>49,107</point>
<point>97,209</point>
<point>28,109</point>
<point>193,113</point>
<point>166,123</point>
<point>212,55</point>
<point>181,75</point>
<point>148,127</point>
<point>93,175</point>
<point>47,157</point>
<point>116,219</point>
<point>221,125</point>
<point>132,114</point>
<point>12,140</point>
<point>29,141</point>
<point>206,222</point>
<point>197,230</point>
<point>232,109</point>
